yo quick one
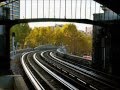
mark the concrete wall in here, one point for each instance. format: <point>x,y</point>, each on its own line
<point>12,82</point>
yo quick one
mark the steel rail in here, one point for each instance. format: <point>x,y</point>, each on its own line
<point>86,67</point>
<point>72,75</point>
<point>88,85</point>
<point>83,71</point>
<point>67,84</point>
<point>32,78</point>
<point>60,72</point>
<point>38,72</point>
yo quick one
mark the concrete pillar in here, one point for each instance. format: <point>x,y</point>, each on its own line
<point>106,49</point>
<point>97,61</point>
<point>5,50</point>
<point>4,42</point>
<point>101,49</point>
<point>115,49</point>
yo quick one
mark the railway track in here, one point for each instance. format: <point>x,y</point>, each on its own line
<point>42,77</point>
<point>109,78</point>
<point>29,72</point>
<point>60,73</point>
<point>90,78</point>
<point>49,72</point>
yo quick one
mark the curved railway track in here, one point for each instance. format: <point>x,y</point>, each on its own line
<point>41,76</point>
<point>29,72</point>
<point>47,71</point>
<point>78,64</point>
<point>99,74</point>
<point>88,77</point>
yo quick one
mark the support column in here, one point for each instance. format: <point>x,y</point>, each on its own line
<point>115,49</point>
<point>101,49</point>
<point>106,49</point>
<point>97,61</point>
<point>5,50</point>
<point>4,41</point>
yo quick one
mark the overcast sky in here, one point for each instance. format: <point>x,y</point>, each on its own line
<point>74,13</point>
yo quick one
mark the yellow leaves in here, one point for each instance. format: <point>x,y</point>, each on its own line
<point>21,31</point>
<point>75,41</point>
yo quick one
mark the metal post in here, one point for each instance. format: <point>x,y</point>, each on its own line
<point>25,9</point>
<point>43,8</point>
<point>104,58</point>
<point>13,43</point>
<point>90,9</point>
<point>65,9</point>
<point>85,8</point>
<point>54,8</point>
<point>49,10</point>
<point>71,9</point>
<point>60,10</point>
<point>75,9</point>
<point>80,8</point>
<point>37,8</point>
<point>31,9</point>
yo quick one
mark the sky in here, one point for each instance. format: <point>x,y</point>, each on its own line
<point>45,24</point>
<point>31,12</point>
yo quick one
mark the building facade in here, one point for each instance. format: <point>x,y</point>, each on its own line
<point>14,6</point>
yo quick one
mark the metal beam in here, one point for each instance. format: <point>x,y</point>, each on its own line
<point>86,21</point>
<point>111,4</point>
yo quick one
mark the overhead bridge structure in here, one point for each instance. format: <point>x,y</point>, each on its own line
<point>102,14</point>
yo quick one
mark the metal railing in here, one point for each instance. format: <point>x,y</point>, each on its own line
<point>61,9</point>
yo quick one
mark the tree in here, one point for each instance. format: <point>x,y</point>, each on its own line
<point>70,33</point>
<point>21,31</point>
<point>76,42</point>
<point>58,36</point>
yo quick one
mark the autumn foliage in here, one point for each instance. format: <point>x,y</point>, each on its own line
<point>76,41</point>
